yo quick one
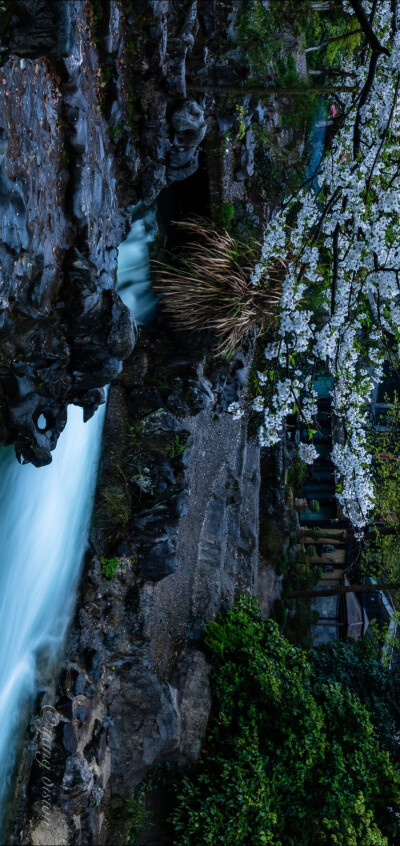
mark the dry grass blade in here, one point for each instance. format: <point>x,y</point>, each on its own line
<point>209,286</point>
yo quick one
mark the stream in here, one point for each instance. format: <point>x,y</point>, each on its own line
<point>44,528</point>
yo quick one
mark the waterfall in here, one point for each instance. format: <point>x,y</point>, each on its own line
<point>44,522</point>
<point>317,143</point>
<point>44,527</point>
<point>134,284</point>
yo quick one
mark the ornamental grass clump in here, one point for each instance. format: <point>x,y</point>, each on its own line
<point>210,287</point>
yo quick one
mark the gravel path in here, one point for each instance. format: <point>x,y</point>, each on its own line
<point>216,447</point>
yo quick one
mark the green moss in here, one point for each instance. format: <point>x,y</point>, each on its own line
<point>97,14</point>
<point>225,213</point>
<point>109,567</point>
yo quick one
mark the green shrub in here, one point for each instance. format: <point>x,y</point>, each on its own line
<point>281,565</point>
<point>226,213</point>
<point>320,28</point>
<point>109,566</point>
<point>128,817</point>
<point>293,756</point>
<point>176,445</point>
<point>297,474</point>
<point>300,573</point>
<point>261,34</point>
<point>115,506</point>
<point>271,541</point>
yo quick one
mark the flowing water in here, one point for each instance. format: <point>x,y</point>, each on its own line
<point>134,271</point>
<point>316,143</point>
<point>44,525</point>
<point>44,522</point>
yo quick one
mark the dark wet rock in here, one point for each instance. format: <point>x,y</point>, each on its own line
<point>91,401</point>
<point>177,404</point>
<point>159,421</point>
<point>199,394</point>
<point>13,213</point>
<point>144,400</point>
<point>153,180</point>
<point>63,329</point>
<point>160,560</point>
<point>77,784</point>
<point>246,158</point>
<point>69,740</point>
<point>96,749</point>
<point>81,714</point>
<point>39,28</point>
<point>3,140</point>
<point>64,707</point>
<point>189,126</point>
<point>192,680</point>
<point>128,712</point>
<point>84,686</point>
<point>146,726</point>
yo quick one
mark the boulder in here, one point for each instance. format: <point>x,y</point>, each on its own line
<point>192,681</point>
<point>145,726</point>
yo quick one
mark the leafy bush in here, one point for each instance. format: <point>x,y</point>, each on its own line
<point>321,28</point>
<point>128,816</point>
<point>300,573</point>
<point>293,754</point>
<point>297,474</point>
<point>226,213</point>
<point>109,566</point>
<point>115,506</point>
<point>261,34</point>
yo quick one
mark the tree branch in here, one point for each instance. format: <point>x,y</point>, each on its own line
<point>363,99</point>
<point>265,91</point>
<point>332,40</point>
<point>366,27</point>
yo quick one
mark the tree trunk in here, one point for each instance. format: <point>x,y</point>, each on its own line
<point>330,72</point>
<point>320,6</point>
<point>265,91</point>
<point>341,589</point>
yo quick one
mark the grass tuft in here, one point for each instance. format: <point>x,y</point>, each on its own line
<point>210,286</point>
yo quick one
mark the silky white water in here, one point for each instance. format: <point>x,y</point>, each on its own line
<point>134,284</point>
<point>44,522</point>
<point>44,526</point>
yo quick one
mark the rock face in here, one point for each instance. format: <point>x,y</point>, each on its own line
<point>176,517</point>
<point>191,678</point>
<point>65,187</point>
<point>135,689</point>
<point>175,51</point>
<point>63,329</point>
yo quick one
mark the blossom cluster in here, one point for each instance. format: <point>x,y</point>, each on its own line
<point>307,453</point>
<point>345,248</point>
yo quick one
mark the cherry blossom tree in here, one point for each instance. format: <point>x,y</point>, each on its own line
<point>340,306</point>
